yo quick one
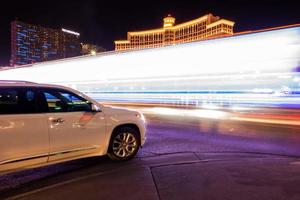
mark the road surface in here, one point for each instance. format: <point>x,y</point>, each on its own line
<point>186,157</point>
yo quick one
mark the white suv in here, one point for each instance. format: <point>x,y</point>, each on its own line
<point>42,124</point>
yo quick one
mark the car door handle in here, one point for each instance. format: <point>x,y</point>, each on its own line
<point>81,126</point>
<point>57,120</point>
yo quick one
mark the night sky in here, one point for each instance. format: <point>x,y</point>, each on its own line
<point>102,22</point>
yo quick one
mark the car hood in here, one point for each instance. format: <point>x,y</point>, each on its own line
<point>117,110</point>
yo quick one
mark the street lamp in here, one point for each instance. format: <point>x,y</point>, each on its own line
<point>93,52</point>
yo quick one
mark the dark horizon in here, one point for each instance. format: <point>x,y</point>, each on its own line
<point>101,23</point>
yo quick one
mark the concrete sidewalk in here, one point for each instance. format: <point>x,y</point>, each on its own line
<point>176,176</point>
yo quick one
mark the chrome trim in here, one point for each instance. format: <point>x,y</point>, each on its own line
<point>72,151</point>
<point>45,155</point>
<point>23,159</point>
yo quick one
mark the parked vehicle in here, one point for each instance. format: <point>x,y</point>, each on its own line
<point>42,124</point>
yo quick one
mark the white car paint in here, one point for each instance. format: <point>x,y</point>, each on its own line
<point>29,140</point>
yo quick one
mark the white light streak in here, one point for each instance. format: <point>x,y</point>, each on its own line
<point>210,114</point>
<point>255,64</point>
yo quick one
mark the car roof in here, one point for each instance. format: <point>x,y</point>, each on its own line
<point>18,83</point>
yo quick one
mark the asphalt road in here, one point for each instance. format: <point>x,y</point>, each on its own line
<point>185,157</point>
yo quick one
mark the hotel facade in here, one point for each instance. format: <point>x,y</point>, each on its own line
<point>207,26</point>
<point>33,43</point>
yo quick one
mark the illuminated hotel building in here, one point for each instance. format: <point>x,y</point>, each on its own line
<point>33,43</point>
<point>207,26</point>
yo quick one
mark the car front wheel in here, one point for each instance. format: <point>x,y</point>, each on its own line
<point>124,144</point>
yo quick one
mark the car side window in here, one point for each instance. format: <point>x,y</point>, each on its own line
<point>74,102</point>
<point>54,103</point>
<point>65,101</point>
<point>9,101</point>
<point>17,101</point>
<point>27,98</point>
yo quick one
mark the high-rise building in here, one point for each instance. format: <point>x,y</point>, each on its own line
<point>33,43</point>
<point>207,26</point>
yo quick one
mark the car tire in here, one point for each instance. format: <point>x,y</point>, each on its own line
<point>124,144</point>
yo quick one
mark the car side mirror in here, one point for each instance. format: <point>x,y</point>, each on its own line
<point>95,108</point>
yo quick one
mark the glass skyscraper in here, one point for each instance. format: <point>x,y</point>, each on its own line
<point>33,43</point>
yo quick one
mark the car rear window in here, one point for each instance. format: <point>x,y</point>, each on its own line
<point>17,101</point>
<point>9,101</point>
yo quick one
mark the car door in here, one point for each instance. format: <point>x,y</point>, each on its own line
<point>74,129</point>
<point>24,136</point>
